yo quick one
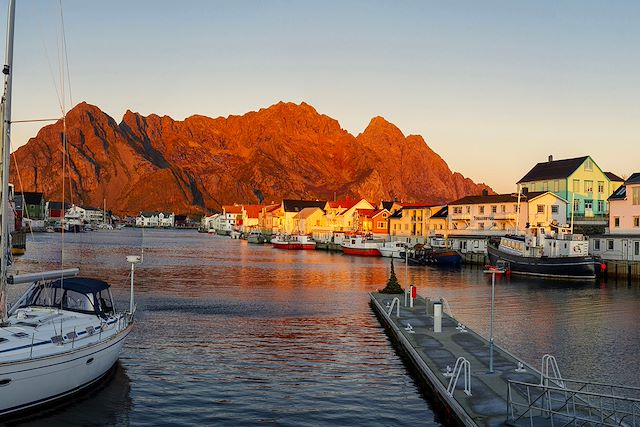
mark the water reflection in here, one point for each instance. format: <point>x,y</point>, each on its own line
<point>232,333</point>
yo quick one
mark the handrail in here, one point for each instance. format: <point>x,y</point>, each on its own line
<point>446,304</point>
<point>461,364</point>
<point>395,300</point>
<point>586,393</point>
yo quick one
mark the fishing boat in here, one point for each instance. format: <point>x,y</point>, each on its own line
<point>306,242</point>
<point>361,246</point>
<point>501,267</point>
<point>394,249</point>
<point>64,333</point>
<point>560,255</point>
<point>255,237</point>
<point>285,241</point>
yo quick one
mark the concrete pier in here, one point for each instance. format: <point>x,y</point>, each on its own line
<point>484,400</point>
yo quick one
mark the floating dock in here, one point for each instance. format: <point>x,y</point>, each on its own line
<point>455,365</point>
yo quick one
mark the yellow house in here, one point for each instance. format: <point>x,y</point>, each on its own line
<point>342,214</point>
<point>309,220</point>
<point>412,223</point>
<point>291,208</point>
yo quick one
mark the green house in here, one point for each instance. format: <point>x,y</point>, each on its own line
<point>580,181</point>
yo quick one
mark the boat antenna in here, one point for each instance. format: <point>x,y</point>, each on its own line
<point>6,146</point>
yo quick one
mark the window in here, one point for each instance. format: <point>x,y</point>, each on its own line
<point>545,186</point>
<point>588,204</point>
<point>600,186</point>
<point>540,209</point>
<point>576,185</point>
<point>481,225</point>
<point>588,165</point>
<point>576,205</point>
<point>554,209</point>
<point>556,185</point>
<point>588,186</point>
<point>600,205</point>
<point>515,208</point>
<point>481,209</point>
<point>610,245</point>
<point>406,227</point>
<point>596,244</point>
<point>468,209</point>
<point>494,209</point>
<point>636,248</point>
<point>636,196</point>
<point>457,209</point>
<point>616,221</point>
<point>636,221</point>
<point>382,224</point>
<point>503,208</point>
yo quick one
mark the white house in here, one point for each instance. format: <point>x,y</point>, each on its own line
<point>155,219</point>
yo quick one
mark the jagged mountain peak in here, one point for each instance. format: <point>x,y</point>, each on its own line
<point>282,151</point>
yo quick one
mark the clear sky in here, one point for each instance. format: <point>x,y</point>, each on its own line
<point>493,86</point>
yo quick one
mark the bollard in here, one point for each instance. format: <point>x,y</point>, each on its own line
<point>437,317</point>
<point>427,302</point>
<point>412,296</point>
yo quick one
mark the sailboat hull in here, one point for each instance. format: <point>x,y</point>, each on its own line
<point>43,380</point>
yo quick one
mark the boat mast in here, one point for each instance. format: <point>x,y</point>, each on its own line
<point>6,148</point>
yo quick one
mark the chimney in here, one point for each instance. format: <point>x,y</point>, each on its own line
<point>485,192</point>
<point>550,158</point>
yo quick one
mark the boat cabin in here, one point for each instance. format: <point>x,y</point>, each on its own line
<point>82,295</point>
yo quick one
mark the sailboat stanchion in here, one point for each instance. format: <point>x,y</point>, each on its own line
<point>133,259</point>
<point>493,287</point>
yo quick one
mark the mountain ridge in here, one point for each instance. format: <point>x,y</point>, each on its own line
<point>198,164</point>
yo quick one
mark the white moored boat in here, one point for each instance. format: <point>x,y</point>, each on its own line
<point>395,249</point>
<point>64,333</point>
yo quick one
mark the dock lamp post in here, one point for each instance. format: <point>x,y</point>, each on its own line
<point>493,292</point>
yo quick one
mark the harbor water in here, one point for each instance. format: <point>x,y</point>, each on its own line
<point>229,333</point>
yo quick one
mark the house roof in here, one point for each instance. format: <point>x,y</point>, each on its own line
<point>307,212</point>
<point>619,194</point>
<point>633,179</point>
<point>387,205</point>
<point>297,205</point>
<point>613,177</point>
<point>345,204</point>
<point>31,197</point>
<point>442,213</point>
<point>253,210</point>
<point>553,170</point>
<point>232,209</point>
<point>491,198</point>
<point>380,211</point>
<point>418,205</point>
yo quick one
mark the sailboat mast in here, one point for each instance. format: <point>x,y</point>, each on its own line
<point>6,148</point>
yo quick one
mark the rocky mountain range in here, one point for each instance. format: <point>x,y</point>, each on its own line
<point>199,164</point>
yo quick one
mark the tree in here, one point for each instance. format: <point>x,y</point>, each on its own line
<point>393,286</point>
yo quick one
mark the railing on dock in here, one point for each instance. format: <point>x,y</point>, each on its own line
<point>573,403</point>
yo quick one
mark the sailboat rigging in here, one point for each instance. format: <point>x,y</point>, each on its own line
<point>64,333</point>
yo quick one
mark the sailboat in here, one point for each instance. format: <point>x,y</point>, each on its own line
<point>64,333</point>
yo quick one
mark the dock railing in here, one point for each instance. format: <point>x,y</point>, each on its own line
<point>575,403</point>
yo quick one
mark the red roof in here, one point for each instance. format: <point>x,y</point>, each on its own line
<point>345,204</point>
<point>378,212</point>
<point>253,210</point>
<point>232,209</point>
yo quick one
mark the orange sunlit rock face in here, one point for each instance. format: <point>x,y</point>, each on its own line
<point>284,151</point>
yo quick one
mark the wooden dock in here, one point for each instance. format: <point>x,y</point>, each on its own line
<point>488,399</point>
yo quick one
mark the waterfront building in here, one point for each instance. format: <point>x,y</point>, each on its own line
<point>231,218</point>
<point>155,219</point>
<point>270,218</point>
<point>412,222</point>
<point>342,215</point>
<point>33,204</point>
<point>621,242</point>
<point>580,181</point>
<point>309,220</point>
<point>290,208</point>
<point>380,223</point>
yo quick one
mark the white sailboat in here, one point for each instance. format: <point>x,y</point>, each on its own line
<point>64,333</point>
